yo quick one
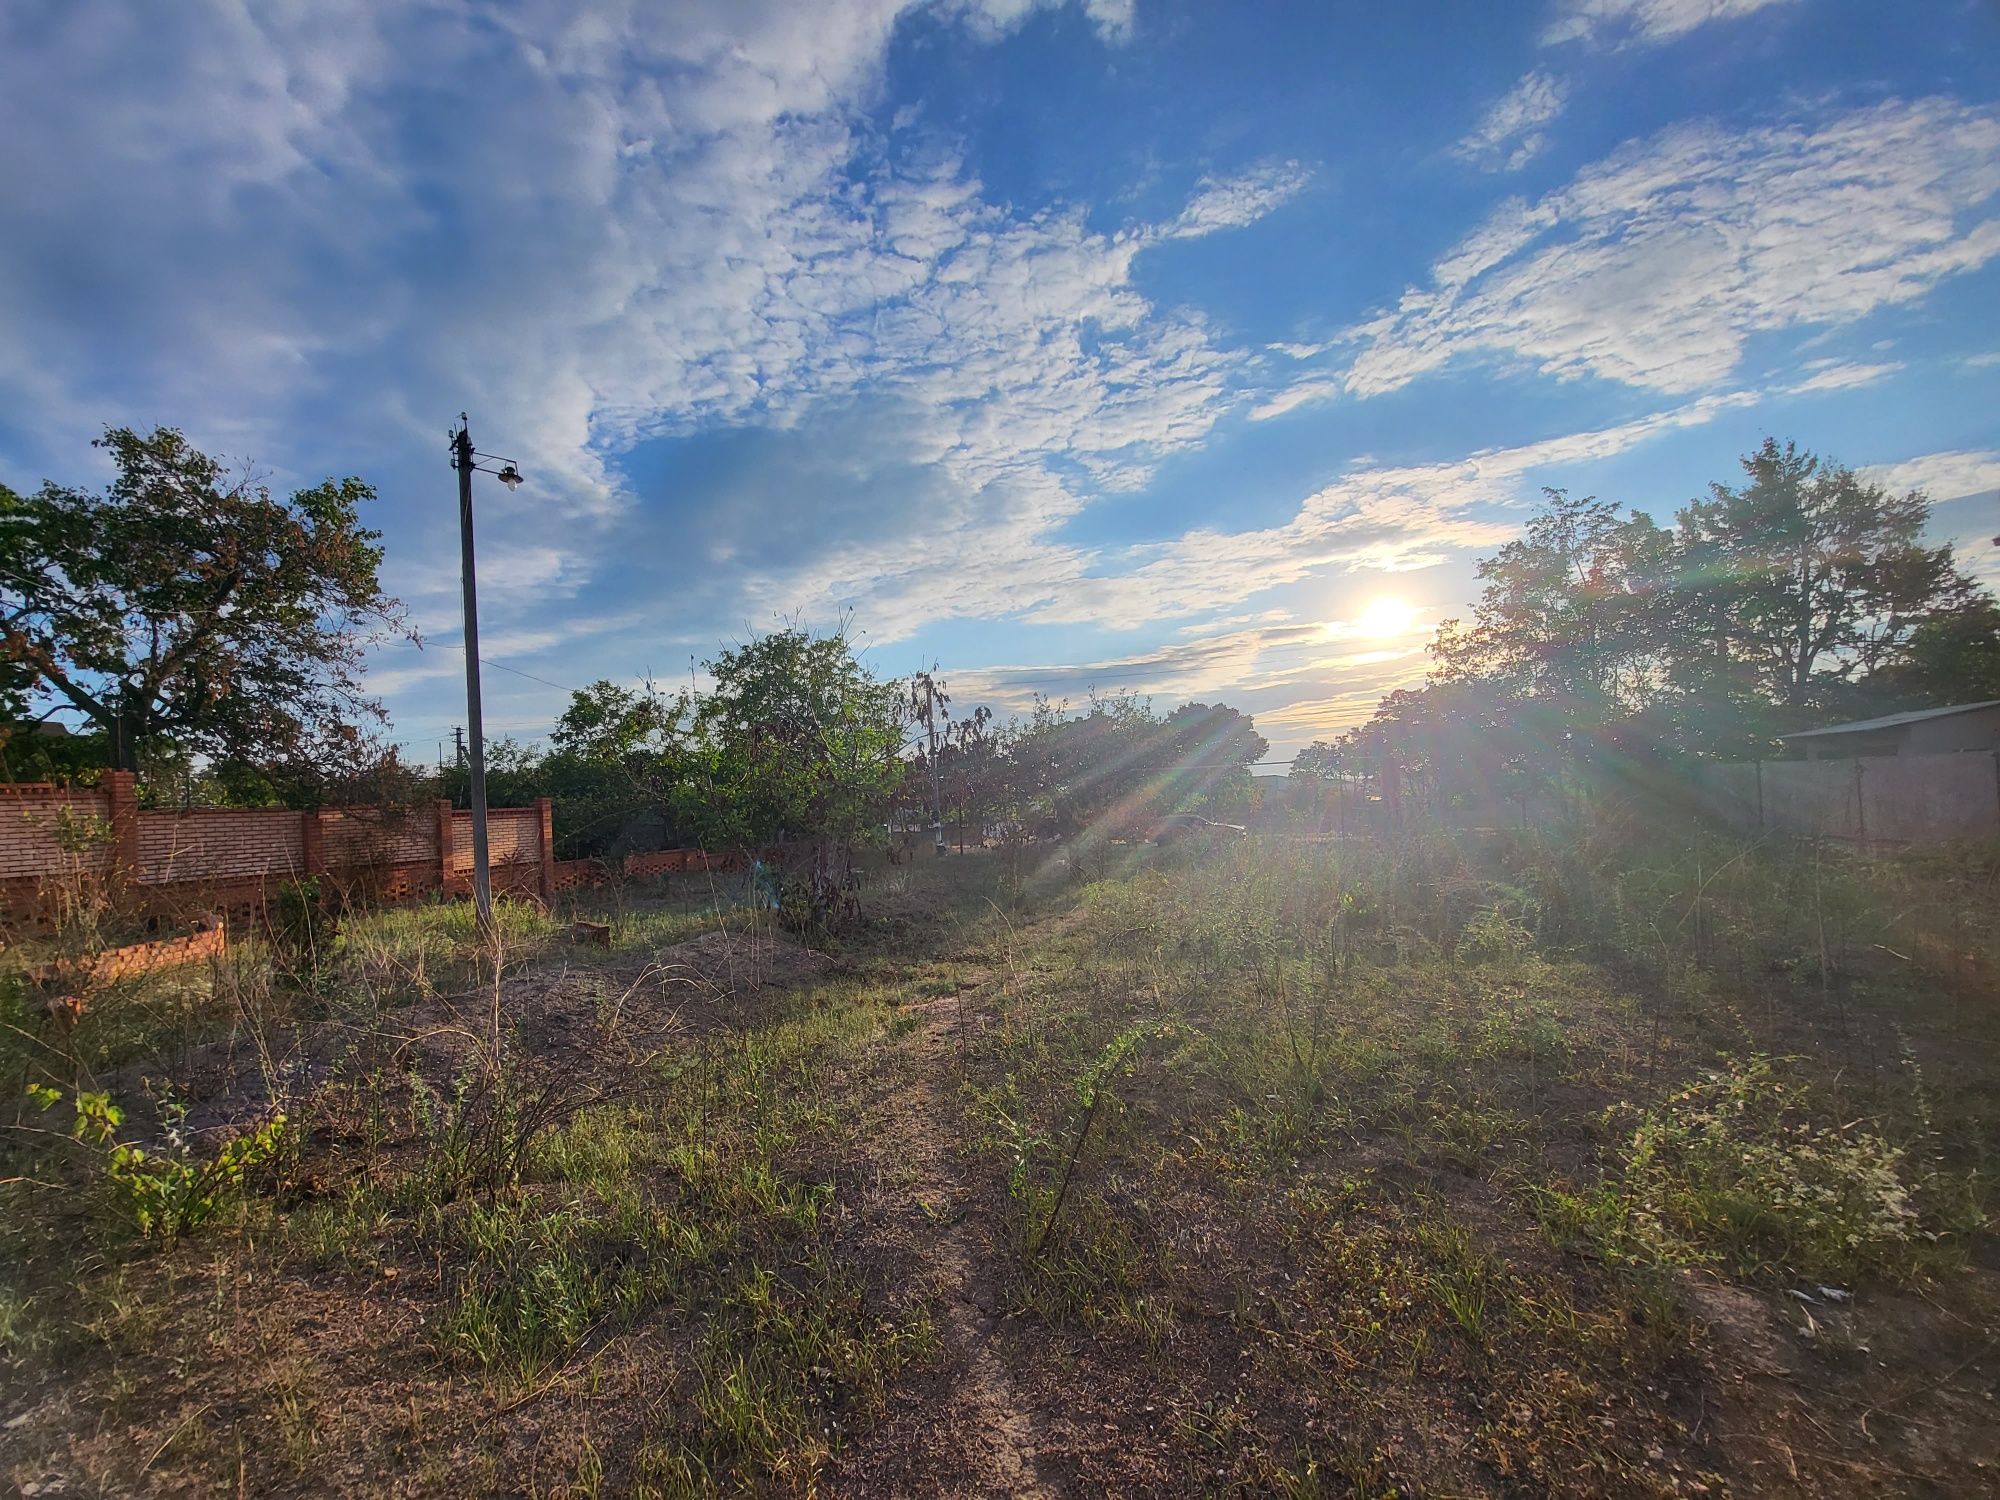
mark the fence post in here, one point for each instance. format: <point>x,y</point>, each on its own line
<point>545,810</point>
<point>121,807</point>
<point>444,841</point>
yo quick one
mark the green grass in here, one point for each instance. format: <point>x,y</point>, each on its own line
<point>1322,1150</point>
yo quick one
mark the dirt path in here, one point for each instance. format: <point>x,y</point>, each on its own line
<point>1001,1432</point>
<point>967,1432</point>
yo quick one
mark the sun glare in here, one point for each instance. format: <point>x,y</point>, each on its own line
<point>1384,617</point>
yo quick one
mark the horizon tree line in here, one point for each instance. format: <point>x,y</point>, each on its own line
<point>214,636</point>
<point>1605,642</point>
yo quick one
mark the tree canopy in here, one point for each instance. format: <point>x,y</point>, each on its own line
<point>186,605</point>
<point>795,739</point>
<point>1816,578</point>
<point>1116,766</point>
<point>1603,640</point>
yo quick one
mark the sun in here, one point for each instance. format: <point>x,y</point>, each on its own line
<point>1385,616</point>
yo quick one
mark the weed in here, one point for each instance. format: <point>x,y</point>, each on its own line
<point>1731,1168</point>
<point>171,1190</point>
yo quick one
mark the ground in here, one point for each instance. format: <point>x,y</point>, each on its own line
<point>1473,1164</point>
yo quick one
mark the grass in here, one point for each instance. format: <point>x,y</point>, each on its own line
<point>1282,1167</point>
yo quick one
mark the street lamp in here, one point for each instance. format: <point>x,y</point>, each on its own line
<point>465,460</point>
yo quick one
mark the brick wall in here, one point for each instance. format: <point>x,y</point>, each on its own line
<point>583,874</point>
<point>224,843</point>
<point>513,835</point>
<point>137,958</point>
<point>169,864</point>
<point>47,830</point>
<point>375,836</point>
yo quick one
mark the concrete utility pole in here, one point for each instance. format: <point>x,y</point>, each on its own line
<point>464,460</point>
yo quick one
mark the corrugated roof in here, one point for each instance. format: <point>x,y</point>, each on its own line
<point>1891,721</point>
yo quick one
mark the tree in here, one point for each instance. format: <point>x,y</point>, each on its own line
<point>796,739</point>
<point>186,605</point>
<point>610,724</point>
<point>1813,577</point>
<point>1109,771</point>
<point>1601,642</point>
<point>1952,657</point>
<point>930,706</point>
<point>1461,742</point>
<point>973,769</point>
<point>1573,614</point>
<point>602,772</point>
<point>1203,761</point>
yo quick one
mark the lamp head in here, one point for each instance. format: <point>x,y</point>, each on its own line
<point>510,476</point>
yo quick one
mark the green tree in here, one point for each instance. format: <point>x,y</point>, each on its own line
<point>1813,577</point>
<point>1953,657</point>
<point>1111,770</point>
<point>973,764</point>
<point>187,605</point>
<point>1572,615</point>
<point>611,724</point>
<point>797,739</point>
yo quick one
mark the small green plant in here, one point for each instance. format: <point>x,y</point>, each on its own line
<point>169,1192</point>
<point>303,926</point>
<point>483,1133</point>
<point>1093,1086</point>
<point>1731,1168</point>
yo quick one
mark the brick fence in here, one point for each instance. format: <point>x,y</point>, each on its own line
<point>57,842</point>
<point>588,873</point>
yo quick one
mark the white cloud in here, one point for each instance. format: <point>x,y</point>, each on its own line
<point>590,227</point>
<point>907,567</point>
<point>1942,476</point>
<point>1838,375</point>
<point>1653,267</point>
<point>1218,661</point>
<point>1232,202</point>
<point>1304,393</point>
<point>1113,18</point>
<point>992,19</point>
<point>1640,22</point>
<point>1392,518</point>
<point>1282,672</point>
<point>1510,134</point>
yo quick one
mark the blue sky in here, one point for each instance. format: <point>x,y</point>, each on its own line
<point>1194,349</point>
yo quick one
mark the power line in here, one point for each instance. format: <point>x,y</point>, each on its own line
<point>503,667</point>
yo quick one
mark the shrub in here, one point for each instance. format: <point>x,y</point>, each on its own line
<point>169,1192</point>
<point>1730,1168</point>
<point>303,926</point>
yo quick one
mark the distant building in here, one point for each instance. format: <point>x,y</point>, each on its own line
<point>1925,731</point>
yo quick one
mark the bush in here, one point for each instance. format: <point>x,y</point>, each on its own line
<point>1730,1169</point>
<point>166,1193</point>
<point>303,926</point>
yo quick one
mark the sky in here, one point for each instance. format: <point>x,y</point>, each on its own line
<point>1193,349</point>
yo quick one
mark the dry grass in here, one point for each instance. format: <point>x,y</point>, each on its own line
<point>1477,1164</point>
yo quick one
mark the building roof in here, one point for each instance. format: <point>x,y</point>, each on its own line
<point>1892,721</point>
